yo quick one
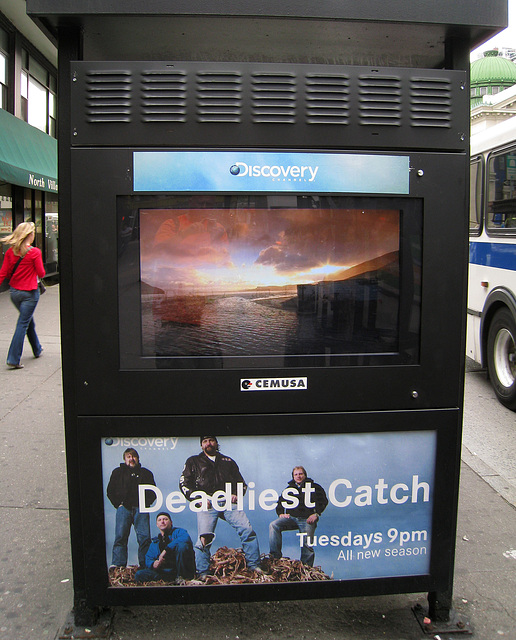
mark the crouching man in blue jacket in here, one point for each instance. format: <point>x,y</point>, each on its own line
<point>170,556</point>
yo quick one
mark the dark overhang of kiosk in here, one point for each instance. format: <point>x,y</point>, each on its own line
<point>411,34</point>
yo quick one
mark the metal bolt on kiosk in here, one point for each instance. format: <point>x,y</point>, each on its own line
<point>263,249</point>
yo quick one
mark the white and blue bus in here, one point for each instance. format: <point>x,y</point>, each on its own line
<point>491,330</point>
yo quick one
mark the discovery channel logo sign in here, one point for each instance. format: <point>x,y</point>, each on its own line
<point>143,443</point>
<point>247,171</point>
<point>303,173</point>
<point>273,384</point>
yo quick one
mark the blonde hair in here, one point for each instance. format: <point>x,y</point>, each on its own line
<point>19,235</point>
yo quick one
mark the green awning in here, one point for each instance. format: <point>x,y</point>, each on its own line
<point>28,157</point>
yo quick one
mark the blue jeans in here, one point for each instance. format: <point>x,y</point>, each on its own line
<point>124,519</point>
<point>206,523</point>
<point>277,527</point>
<point>151,575</point>
<point>25,302</point>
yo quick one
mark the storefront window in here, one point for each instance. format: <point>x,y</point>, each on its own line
<point>38,219</point>
<point>6,215</point>
<point>27,205</point>
<point>51,232</point>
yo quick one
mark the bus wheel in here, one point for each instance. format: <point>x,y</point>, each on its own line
<point>501,357</point>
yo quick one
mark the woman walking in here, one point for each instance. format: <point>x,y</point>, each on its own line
<point>21,266</point>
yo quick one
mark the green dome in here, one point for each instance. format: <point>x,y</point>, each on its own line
<point>492,70</point>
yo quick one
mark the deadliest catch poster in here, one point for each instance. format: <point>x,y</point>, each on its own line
<point>213,510</point>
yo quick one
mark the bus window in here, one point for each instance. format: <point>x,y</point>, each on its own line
<point>475,197</point>
<point>501,209</point>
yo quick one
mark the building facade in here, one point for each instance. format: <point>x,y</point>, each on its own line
<point>28,130</point>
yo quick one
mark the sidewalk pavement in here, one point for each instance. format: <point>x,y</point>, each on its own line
<point>35,569</point>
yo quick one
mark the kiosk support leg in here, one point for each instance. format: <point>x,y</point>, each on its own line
<point>440,605</point>
<point>441,617</point>
<point>84,616</point>
<point>84,621</point>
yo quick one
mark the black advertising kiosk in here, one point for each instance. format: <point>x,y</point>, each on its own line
<point>264,241</point>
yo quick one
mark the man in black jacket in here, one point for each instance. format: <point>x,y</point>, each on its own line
<point>122,491</point>
<point>299,509</point>
<point>204,475</point>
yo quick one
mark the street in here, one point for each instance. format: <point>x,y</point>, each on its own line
<point>489,434</point>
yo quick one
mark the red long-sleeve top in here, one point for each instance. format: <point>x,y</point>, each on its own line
<point>25,277</point>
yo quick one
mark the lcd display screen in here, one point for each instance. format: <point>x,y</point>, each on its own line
<point>240,280</point>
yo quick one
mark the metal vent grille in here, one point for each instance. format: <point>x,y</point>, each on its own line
<point>219,96</point>
<point>163,96</point>
<point>430,102</point>
<point>379,100</point>
<point>274,97</point>
<point>327,99</point>
<point>108,96</point>
<point>215,104</point>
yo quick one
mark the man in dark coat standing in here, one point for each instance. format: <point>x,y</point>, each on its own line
<point>212,473</point>
<point>122,491</point>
